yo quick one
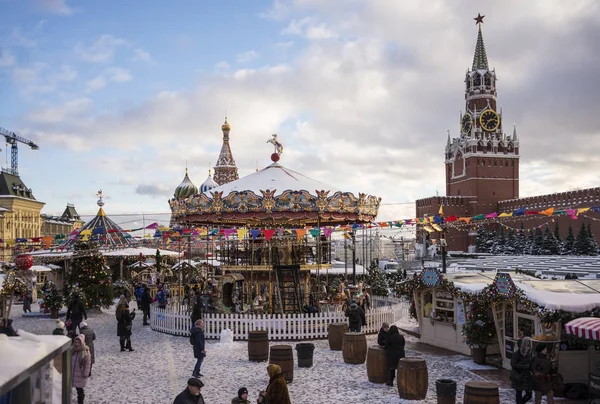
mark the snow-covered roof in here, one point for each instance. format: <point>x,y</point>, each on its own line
<point>275,177</point>
<point>40,268</point>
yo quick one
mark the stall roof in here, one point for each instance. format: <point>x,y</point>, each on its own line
<point>474,282</point>
<point>569,295</point>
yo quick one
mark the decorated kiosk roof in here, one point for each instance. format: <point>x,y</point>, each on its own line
<point>276,195</point>
<point>102,230</point>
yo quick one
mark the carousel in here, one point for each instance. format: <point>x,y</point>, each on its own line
<point>267,231</point>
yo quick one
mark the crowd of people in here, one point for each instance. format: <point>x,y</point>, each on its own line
<point>531,374</point>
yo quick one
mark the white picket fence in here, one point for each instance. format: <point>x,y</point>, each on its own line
<point>280,327</point>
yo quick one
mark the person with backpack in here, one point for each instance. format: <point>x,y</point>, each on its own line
<point>356,317</point>
<point>197,339</point>
<point>76,314</point>
<point>161,297</point>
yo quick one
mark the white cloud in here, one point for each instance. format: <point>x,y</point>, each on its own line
<point>57,7</point>
<point>140,54</point>
<point>222,65</point>
<point>113,74</point>
<point>69,110</point>
<point>309,28</point>
<point>39,77</point>
<point>248,56</point>
<point>6,58</point>
<point>100,51</point>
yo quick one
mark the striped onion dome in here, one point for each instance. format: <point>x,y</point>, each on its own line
<point>208,184</point>
<point>186,188</point>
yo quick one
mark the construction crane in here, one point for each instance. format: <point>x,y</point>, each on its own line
<point>12,138</point>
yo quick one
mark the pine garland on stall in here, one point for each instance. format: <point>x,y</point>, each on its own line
<point>89,277</point>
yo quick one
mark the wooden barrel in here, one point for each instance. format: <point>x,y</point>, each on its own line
<point>481,393</point>
<point>283,356</point>
<point>354,348</point>
<point>258,346</point>
<point>413,379</point>
<point>377,367</point>
<point>335,335</point>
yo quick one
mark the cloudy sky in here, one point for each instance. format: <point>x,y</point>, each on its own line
<point>120,94</point>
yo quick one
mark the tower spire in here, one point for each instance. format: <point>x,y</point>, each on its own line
<point>225,170</point>
<point>480,58</point>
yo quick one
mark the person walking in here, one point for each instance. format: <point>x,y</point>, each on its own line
<point>76,313</point>
<point>541,367</point>
<point>242,397</point>
<point>394,346</point>
<point>383,332</point>
<point>277,390</point>
<point>90,337</point>
<point>80,366</point>
<point>27,302</point>
<point>197,339</point>
<point>520,374</point>
<point>192,393</point>
<point>146,301</point>
<point>124,326</point>
<point>197,310</point>
<point>161,297</point>
<point>138,295</point>
<point>356,317</point>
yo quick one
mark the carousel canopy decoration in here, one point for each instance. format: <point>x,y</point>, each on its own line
<point>278,195</point>
<point>100,229</point>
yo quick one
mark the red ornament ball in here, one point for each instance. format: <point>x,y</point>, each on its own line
<point>275,157</point>
<point>24,261</point>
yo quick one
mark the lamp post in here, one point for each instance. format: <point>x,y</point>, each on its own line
<point>443,244</point>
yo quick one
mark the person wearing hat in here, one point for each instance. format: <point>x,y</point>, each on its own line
<point>520,374</point>
<point>191,394</point>
<point>356,317</point>
<point>541,367</point>
<point>242,397</point>
<point>90,337</point>
<point>60,328</point>
<point>382,336</point>
<point>277,390</point>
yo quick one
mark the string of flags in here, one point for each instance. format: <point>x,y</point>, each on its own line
<point>429,223</point>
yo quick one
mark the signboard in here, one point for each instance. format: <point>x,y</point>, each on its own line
<point>509,348</point>
<point>460,312</point>
<point>432,277</point>
<point>504,285</point>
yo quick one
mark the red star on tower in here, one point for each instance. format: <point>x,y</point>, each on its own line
<point>479,19</point>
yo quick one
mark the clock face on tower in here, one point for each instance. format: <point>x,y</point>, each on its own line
<point>489,120</point>
<point>466,124</point>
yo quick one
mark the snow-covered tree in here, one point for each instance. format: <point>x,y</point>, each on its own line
<point>499,242</point>
<point>568,246</point>
<point>377,280</point>
<point>510,243</point>
<point>520,241</point>
<point>89,276</point>
<point>538,243</point>
<point>481,240</point>
<point>593,245</point>
<point>550,245</point>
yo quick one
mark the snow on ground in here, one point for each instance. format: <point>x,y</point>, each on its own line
<point>161,364</point>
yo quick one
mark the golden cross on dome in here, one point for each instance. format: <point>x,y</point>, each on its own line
<point>479,19</point>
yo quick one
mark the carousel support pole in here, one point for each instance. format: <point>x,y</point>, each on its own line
<point>121,268</point>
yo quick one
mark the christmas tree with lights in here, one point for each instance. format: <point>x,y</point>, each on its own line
<point>89,277</point>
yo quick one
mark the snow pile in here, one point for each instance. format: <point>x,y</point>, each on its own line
<point>471,287</point>
<point>226,336</point>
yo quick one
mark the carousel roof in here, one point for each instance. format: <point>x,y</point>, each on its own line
<point>102,230</point>
<point>276,178</point>
<point>278,195</point>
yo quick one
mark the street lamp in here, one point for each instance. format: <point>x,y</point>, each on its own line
<point>353,257</point>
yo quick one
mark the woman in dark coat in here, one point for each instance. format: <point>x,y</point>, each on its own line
<point>520,375</point>
<point>382,336</point>
<point>541,367</point>
<point>277,391</point>
<point>394,346</point>
<point>90,337</point>
<point>124,326</point>
<point>76,313</point>
<point>146,301</point>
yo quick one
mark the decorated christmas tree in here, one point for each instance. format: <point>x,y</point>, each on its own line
<point>377,280</point>
<point>89,276</point>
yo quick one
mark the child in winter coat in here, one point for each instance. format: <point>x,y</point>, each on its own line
<point>60,328</point>
<point>242,397</point>
<point>81,362</point>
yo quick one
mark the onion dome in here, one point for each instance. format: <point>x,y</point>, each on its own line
<point>186,188</point>
<point>225,126</point>
<point>208,184</point>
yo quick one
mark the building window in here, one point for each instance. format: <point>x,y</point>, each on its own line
<point>495,163</point>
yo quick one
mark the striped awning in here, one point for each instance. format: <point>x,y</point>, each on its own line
<point>585,327</point>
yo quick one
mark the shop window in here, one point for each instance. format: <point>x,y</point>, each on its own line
<point>509,322</point>
<point>427,303</point>
<point>525,326</point>
<point>444,306</point>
